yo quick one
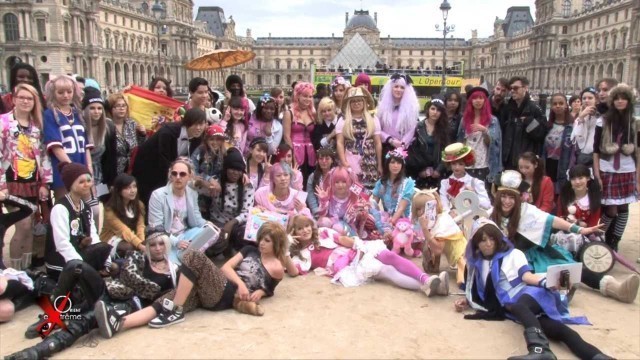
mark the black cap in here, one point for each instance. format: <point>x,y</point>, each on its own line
<point>91,95</point>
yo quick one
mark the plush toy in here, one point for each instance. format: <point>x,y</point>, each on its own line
<point>572,214</point>
<point>403,236</point>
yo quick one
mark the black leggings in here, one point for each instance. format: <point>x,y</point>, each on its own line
<point>525,311</point>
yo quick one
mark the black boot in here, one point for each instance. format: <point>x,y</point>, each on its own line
<point>537,344</point>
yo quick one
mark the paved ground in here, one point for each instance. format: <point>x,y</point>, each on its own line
<point>311,318</point>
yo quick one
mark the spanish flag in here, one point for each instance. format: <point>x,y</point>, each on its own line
<point>145,105</point>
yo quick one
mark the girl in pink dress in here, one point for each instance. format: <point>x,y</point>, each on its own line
<point>353,262</point>
<point>236,125</point>
<point>298,124</point>
<point>263,124</point>
<point>279,196</point>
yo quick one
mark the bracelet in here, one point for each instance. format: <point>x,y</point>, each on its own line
<point>575,229</point>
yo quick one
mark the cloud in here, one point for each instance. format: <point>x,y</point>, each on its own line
<point>402,18</point>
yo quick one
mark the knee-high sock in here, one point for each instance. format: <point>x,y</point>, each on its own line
<point>620,224</point>
<point>606,221</point>
<point>394,276</point>
<point>403,265</point>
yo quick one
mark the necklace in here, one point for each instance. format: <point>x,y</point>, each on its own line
<point>68,115</point>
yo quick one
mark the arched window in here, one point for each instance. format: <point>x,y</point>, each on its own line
<point>277,79</point>
<point>11,29</point>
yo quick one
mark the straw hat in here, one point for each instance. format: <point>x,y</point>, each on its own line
<point>458,151</point>
<point>358,92</point>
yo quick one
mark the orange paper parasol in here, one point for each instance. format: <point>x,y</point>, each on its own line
<point>220,59</point>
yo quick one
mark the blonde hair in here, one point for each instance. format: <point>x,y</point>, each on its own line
<point>300,221</point>
<point>101,126</point>
<point>278,237</point>
<point>158,236</point>
<point>347,130</point>
<point>50,92</point>
<point>420,200</point>
<point>36,112</point>
<point>325,103</point>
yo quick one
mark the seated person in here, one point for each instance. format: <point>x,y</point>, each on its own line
<point>123,227</point>
<point>279,196</point>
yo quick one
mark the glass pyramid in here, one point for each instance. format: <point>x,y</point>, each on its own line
<point>356,53</point>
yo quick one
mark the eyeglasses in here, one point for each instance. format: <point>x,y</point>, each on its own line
<point>24,98</point>
<point>179,174</point>
<point>120,106</point>
<point>516,88</point>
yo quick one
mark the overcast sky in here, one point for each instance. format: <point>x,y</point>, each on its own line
<point>398,18</point>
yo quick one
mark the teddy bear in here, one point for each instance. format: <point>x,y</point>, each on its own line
<point>403,236</point>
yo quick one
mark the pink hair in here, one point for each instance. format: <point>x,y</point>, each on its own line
<point>302,87</point>
<point>469,112</point>
<point>363,79</point>
<point>340,173</point>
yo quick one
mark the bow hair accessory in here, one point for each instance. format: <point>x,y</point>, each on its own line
<point>397,153</point>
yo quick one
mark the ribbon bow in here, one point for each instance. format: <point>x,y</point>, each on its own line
<point>405,77</point>
<point>454,187</point>
<point>265,98</point>
<point>397,153</point>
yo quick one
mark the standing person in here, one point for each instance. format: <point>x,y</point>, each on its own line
<point>97,129</point>
<point>584,127</point>
<point>174,210</point>
<point>453,104</point>
<point>498,98</point>
<point>575,106</point>
<point>126,137</point>
<point>500,284</point>
<point>616,165</point>
<point>324,135</point>
<point>298,125</point>
<point>22,73</point>
<point>198,97</point>
<point>124,216</point>
<point>321,91</point>
<point>25,168</point>
<point>64,131</point>
<point>230,208</point>
<point>258,164</point>
<point>339,87</point>
<point>326,162</point>
<point>558,151</point>
<point>524,127</point>
<point>25,209</point>
<point>160,85</point>
<point>278,94</point>
<point>262,124</point>
<point>432,136</point>
<point>397,113</point>
<point>540,191</point>
<point>155,155</point>
<point>604,86</point>
<point>480,130</point>
<point>237,125</point>
<point>358,138</point>
<point>235,87</point>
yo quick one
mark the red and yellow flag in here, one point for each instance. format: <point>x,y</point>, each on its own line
<point>145,105</point>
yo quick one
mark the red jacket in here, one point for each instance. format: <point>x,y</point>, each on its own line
<point>546,195</point>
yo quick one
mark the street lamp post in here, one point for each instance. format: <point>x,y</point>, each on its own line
<point>445,7</point>
<point>158,14</point>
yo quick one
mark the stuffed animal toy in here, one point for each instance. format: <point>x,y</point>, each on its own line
<point>572,214</point>
<point>403,236</point>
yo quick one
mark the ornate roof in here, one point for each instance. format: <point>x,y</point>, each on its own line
<point>361,18</point>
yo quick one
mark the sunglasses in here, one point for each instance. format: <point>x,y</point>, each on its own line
<point>179,174</point>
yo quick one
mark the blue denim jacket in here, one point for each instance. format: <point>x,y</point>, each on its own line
<point>495,147</point>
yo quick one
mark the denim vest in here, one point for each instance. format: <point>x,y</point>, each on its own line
<point>495,147</point>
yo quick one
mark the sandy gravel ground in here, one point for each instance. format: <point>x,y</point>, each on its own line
<point>310,318</point>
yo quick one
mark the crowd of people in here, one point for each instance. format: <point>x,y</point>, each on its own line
<point>141,211</point>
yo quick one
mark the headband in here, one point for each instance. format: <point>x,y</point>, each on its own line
<point>590,173</point>
<point>437,101</point>
<point>397,153</point>
<point>404,77</point>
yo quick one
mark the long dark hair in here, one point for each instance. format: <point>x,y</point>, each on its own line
<point>235,103</point>
<point>386,175</point>
<point>619,120</point>
<point>514,217</point>
<point>568,196</point>
<point>538,173</point>
<point>261,104</point>
<point>224,180</point>
<point>13,80</point>
<point>117,203</point>
<point>167,84</point>
<point>567,112</point>
<point>448,95</point>
<point>441,127</point>
<point>492,232</point>
<point>317,173</point>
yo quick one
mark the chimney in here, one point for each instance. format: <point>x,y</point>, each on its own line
<point>375,17</point>
<point>346,18</point>
<point>248,33</point>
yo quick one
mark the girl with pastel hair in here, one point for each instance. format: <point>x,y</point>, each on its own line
<point>324,134</point>
<point>480,130</point>
<point>398,112</point>
<point>353,262</point>
<point>298,124</point>
<point>280,196</point>
<point>358,138</point>
<point>64,131</point>
<point>342,209</point>
<point>285,154</point>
